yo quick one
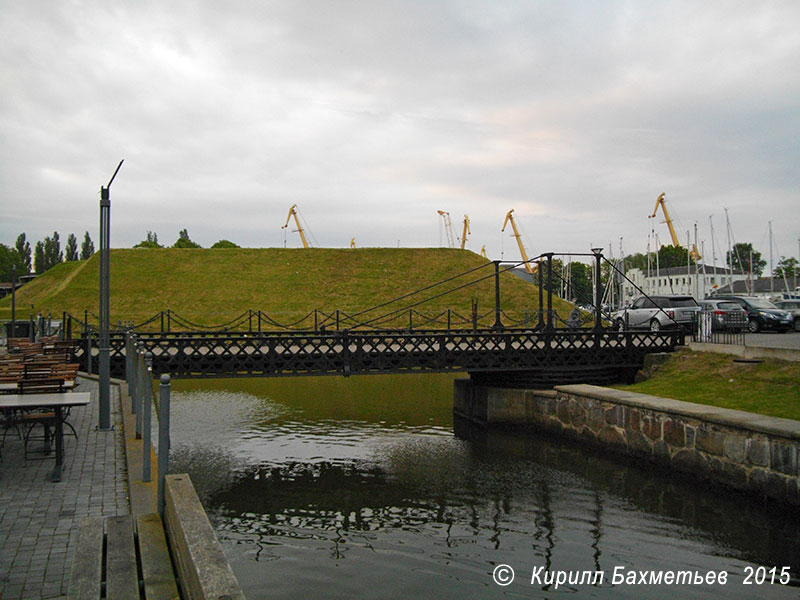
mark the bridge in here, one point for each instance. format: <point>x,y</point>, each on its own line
<point>543,354</point>
<point>523,356</point>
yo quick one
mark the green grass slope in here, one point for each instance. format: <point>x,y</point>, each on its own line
<point>771,387</point>
<point>211,286</point>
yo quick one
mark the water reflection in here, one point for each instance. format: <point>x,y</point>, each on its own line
<point>328,492</point>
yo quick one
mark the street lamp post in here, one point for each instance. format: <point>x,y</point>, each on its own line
<point>598,290</point>
<point>13,332</point>
<point>104,342</point>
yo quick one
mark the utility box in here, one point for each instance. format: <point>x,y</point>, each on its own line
<point>22,329</point>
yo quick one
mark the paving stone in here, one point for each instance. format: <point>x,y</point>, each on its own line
<point>39,518</point>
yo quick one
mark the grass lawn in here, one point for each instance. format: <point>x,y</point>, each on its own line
<point>213,286</point>
<point>771,387</point>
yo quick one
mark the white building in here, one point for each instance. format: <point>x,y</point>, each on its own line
<point>698,281</point>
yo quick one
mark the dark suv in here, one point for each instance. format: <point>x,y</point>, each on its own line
<point>762,314</point>
<point>657,312</point>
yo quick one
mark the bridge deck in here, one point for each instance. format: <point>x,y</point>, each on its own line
<point>367,352</point>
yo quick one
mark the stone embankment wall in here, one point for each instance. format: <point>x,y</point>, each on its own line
<point>742,450</point>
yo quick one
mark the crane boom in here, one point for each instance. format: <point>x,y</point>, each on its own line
<point>293,212</point>
<point>448,228</point>
<point>662,202</point>
<point>510,218</point>
<point>466,231</point>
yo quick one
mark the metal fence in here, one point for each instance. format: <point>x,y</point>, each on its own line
<point>715,329</point>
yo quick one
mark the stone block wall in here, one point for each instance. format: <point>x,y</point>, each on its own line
<point>742,450</point>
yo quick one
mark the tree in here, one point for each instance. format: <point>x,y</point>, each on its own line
<point>87,247</point>
<point>673,256</point>
<point>8,257</point>
<point>636,261</point>
<point>787,267</point>
<point>23,247</point>
<point>151,241</point>
<point>225,244</point>
<point>52,251</point>
<point>183,241</point>
<point>745,259</point>
<point>38,258</point>
<point>71,251</point>
<point>581,280</point>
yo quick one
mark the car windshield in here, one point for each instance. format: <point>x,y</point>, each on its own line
<point>790,304</point>
<point>729,306</point>
<point>682,302</point>
<point>758,303</point>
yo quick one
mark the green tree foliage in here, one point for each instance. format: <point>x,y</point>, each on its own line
<point>9,257</point>
<point>47,254</point>
<point>23,247</point>
<point>746,259</point>
<point>636,261</point>
<point>787,267</point>
<point>38,258</point>
<point>151,241</point>
<point>581,280</point>
<point>71,250</point>
<point>673,256</point>
<point>224,244</point>
<point>184,241</point>
<point>52,251</point>
<point>87,247</point>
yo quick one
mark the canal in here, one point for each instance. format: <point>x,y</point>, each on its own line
<point>365,488</point>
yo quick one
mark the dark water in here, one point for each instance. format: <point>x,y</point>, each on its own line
<point>359,488</point>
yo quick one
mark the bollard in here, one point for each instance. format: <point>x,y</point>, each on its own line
<point>140,387</point>
<point>146,411</point>
<point>129,369</point>
<point>88,351</point>
<point>163,439</point>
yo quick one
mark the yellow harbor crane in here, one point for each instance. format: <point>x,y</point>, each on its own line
<point>352,242</point>
<point>483,251</point>
<point>510,218</point>
<point>662,202</point>
<point>448,228</point>
<point>293,212</point>
<point>466,231</point>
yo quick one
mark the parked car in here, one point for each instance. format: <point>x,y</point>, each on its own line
<point>793,306</point>
<point>762,315</point>
<point>726,315</point>
<point>657,312</point>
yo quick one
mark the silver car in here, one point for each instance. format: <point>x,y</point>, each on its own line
<point>657,312</point>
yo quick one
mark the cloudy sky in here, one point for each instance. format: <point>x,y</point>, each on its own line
<point>371,116</point>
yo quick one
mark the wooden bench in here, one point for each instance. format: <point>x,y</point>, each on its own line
<point>115,560</point>
<point>201,571</point>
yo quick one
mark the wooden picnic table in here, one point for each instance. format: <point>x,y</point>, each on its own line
<point>55,401</point>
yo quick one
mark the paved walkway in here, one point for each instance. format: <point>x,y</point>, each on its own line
<point>39,518</point>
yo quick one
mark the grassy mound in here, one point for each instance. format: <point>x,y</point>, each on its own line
<point>212,286</point>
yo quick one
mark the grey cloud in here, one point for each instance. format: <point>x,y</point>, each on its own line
<point>373,115</point>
